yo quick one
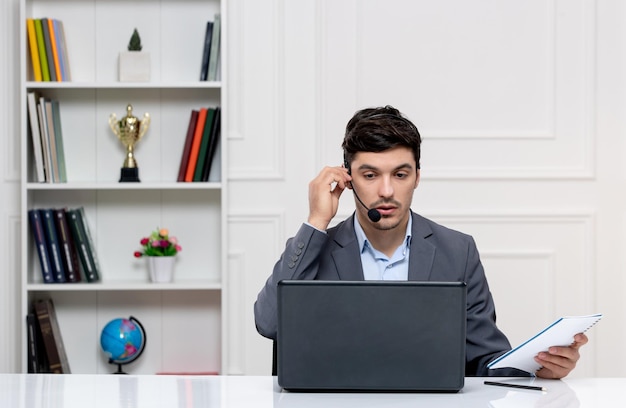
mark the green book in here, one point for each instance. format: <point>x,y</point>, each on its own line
<point>58,137</point>
<point>41,46</point>
<point>204,145</point>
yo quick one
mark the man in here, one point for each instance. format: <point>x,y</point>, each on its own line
<point>385,240</point>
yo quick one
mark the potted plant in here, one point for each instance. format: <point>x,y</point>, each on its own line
<point>134,64</point>
<point>161,249</point>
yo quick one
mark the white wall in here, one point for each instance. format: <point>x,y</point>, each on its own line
<point>520,105</point>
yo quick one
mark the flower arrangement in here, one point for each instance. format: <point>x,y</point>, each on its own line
<point>159,243</point>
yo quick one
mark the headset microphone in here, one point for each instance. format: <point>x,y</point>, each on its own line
<point>372,213</point>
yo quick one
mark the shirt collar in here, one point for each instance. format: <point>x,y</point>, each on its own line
<point>363,241</point>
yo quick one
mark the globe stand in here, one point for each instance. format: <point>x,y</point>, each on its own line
<point>135,356</point>
<point>119,367</point>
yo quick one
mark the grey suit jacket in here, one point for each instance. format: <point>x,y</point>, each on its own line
<point>437,254</point>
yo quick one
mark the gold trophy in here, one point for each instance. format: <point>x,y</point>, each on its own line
<point>129,130</point>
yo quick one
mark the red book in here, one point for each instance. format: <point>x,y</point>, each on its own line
<point>184,161</point>
<point>195,146</point>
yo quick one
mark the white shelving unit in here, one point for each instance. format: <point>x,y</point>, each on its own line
<point>184,320</point>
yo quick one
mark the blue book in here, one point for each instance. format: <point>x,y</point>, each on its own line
<point>39,236</point>
<point>54,247</point>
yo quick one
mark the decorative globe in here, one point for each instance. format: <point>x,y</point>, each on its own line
<point>123,341</point>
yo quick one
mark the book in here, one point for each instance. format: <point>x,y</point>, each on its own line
<point>215,47</point>
<point>52,140</point>
<point>195,145</point>
<point>184,160</point>
<point>41,46</point>
<point>52,338</point>
<point>215,138</point>
<point>41,247</point>
<point>54,247</point>
<point>68,248</point>
<point>34,51</point>
<point>37,359</point>
<point>204,145</point>
<point>92,244</point>
<point>85,253</point>
<point>559,333</point>
<point>206,51</point>
<point>45,140</point>
<point>45,27</point>
<point>58,137</point>
<point>33,121</point>
<point>55,52</point>
<point>62,46</point>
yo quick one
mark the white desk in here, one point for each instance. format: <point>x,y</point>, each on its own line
<point>128,391</point>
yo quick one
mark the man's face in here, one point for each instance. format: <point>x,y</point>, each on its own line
<point>385,181</point>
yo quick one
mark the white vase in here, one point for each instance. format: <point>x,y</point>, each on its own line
<point>134,66</point>
<point>161,268</point>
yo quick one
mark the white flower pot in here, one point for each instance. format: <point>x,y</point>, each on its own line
<point>134,66</point>
<point>161,268</point>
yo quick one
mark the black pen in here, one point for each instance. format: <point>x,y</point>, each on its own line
<point>524,387</point>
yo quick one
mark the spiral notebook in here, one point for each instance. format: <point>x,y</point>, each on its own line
<point>559,333</point>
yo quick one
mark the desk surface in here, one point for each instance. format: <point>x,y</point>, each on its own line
<point>129,391</point>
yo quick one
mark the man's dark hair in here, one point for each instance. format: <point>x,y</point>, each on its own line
<point>379,129</point>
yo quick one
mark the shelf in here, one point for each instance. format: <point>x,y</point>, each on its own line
<point>124,186</point>
<point>125,286</point>
<point>123,85</point>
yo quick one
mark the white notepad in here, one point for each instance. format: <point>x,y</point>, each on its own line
<point>559,333</point>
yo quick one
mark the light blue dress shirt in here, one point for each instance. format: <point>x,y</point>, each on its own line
<point>377,265</point>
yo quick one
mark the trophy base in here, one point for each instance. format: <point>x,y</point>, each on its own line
<point>129,174</point>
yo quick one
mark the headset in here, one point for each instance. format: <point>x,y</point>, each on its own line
<point>373,214</point>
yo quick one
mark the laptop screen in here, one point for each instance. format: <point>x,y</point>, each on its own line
<point>371,335</point>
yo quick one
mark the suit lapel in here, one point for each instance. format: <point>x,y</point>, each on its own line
<point>346,255</point>
<point>422,252</point>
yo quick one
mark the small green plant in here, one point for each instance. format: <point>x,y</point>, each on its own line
<point>135,42</point>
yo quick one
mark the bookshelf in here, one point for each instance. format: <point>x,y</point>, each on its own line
<point>184,320</point>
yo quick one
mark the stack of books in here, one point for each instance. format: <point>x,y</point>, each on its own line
<point>48,50</point>
<point>44,118</point>
<point>46,350</point>
<point>203,134</point>
<point>64,245</point>
<point>210,69</point>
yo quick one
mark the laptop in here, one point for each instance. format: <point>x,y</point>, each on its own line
<point>371,336</point>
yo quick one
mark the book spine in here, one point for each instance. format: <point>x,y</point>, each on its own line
<point>195,147</point>
<point>204,145</point>
<point>56,256</point>
<point>51,334</point>
<point>81,244</point>
<point>33,120</point>
<point>65,60</point>
<point>204,68</point>
<point>34,51</point>
<point>43,316</point>
<point>33,366</point>
<point>91,242</point>
<point>184,160</point>
<point>70,257</point>
<point>41,46</point>
<point>52,140</point>
<point>43,128</point>
<point>215,48</point>
<point>215,139</point>
<point>58,137</point>
<point>55,51</point>
<point>41,246</point>
<point>48,48</point>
